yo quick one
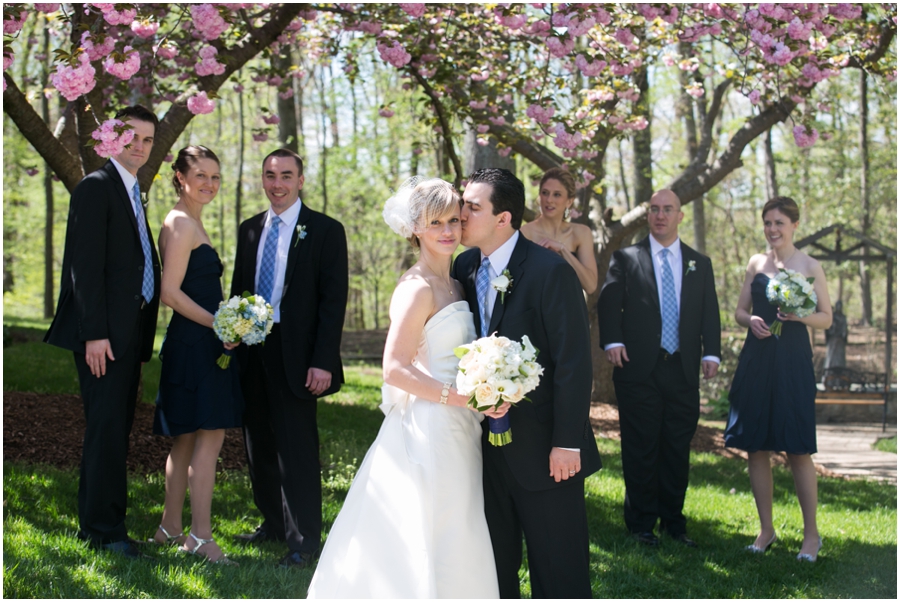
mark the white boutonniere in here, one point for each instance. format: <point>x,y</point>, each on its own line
<point>301,233</point>
<point>692,267</point>
<point>502,284</point>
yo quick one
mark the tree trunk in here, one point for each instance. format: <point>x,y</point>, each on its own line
<point>323,106</point>
<point>643,158</point>
<point>771,179</point>
<point>238,190</point>
<point>685,110</point>
<point>476,156</point>
<point>49,297</point>
<point>287,108</point>
<point>622,178</point>
<point>865,284</point>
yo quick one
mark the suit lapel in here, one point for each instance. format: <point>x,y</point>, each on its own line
<point>687,288</point>
<point>516,271</point>
<point>296,247</point>
<point>645,259</point>
<point>124,196</point>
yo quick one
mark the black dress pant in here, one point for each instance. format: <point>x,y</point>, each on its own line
<point>658,419</point>
<point>109,403</point>
<point>281,439</point>
<point>554,523</point>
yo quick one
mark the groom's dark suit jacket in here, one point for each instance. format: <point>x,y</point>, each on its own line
<point>545,302</point>
<point>629,312</point>
<point>313,300</point>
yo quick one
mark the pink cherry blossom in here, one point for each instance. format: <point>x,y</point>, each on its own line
<point>478,104</point>
<point>695,90</point>
<point>32,171</point>
<point>803,138</point>
<point>166,51</point>
<point>413,9</point>
<point>602,16</point>
<point>540,114</point>
<point>842,12</point>
<point>619,70</point>
<point>261,136</point>
<point>626,36</point>
<point>200,104</point>
<point>497,120</point>
<point>370,28</point>
<point>383,112</point>
<point>589,69</point>
<point>480,77</point>
<point>208,64</point>
<point>72,82</point>
<point>482,141</point>
<point>511,21</point>
<point>504,152</point>
<point>144,28</point>
<point>286,94</point>
<point>482,128</point>
<point>538,28</point>
<point>238,88</point>
<point>272,119</point>
<point>47,8</point>
<point>124,17</point>
<point>97,47</point>
<point>112,137</point>
<point>558,47</point>
<point>13,25</point>
<point>8,60</point>
<point>207,21</point>
<point>394,54</point>
<point>124,69</point>
<point>169,158</point>
<point>564,139</point>
<point>754,97</point>
<point>601,95</point>
<point>668,59</point>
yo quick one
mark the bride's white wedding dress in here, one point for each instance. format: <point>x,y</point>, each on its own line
<point>413,523</point>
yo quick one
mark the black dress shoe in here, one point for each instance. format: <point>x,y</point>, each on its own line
<point>647,538</point>
<point>259,536</point>
<point>124,548</point>
<point>298,560</point>
<point>684,539</point>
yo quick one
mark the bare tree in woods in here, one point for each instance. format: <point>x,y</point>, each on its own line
<point>865,284</point>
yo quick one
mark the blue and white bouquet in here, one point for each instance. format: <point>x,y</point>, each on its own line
<point>493,370</point>
<point>792,293</point>
<point>245,319</point>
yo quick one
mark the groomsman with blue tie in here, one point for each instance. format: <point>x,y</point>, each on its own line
<point>108,302</point>
<point>296,258</point>
<point>659,326</point>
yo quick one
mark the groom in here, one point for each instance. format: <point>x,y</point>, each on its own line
<point>533,486</point>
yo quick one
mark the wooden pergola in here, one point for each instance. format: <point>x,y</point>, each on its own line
<point>853,252</point>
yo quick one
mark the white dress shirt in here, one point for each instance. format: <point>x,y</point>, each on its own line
<point>674,259</point>
<point>285,232</point>
<point>499,262</point>
<point>128,179</point>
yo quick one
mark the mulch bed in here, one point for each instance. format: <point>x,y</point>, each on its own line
<point>48,429</point>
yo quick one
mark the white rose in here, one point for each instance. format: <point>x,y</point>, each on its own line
<point>466,360</point>
<point>486,395</point>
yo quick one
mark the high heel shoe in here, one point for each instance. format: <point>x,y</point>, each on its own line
<point>198,543</point>
<point>170,539</point>
<point>811,557</point>
<point>757,550</point>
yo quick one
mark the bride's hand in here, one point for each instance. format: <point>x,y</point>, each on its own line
<point>498,412</point>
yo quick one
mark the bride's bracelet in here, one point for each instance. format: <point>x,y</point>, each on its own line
<point>445,393</point>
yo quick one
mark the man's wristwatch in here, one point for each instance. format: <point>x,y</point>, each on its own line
<point>445,393</point>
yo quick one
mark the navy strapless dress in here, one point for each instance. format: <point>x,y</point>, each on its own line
<point>194,392</point>
<point>773,394</point>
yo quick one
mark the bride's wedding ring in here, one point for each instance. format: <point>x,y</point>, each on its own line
<point>572,471</point>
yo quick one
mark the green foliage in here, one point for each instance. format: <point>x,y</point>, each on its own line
<point>886,444</point>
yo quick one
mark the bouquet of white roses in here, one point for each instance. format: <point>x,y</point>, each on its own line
<point>493,370</point>
<point>245,319</point>
<point>792,293</point>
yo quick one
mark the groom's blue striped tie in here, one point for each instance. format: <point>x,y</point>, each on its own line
<point>266,280</point>
<point>482,284</point>
<point>669,306</point>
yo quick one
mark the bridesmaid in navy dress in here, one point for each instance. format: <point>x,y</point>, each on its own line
<point>774,388</point>
<point>197,399</point>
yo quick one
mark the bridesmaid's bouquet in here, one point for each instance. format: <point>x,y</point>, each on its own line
<point>792,293</point>
<point>245,319</point>
<point>493,370</point>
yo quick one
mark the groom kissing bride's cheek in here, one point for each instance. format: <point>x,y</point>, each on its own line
<point>539,477</point>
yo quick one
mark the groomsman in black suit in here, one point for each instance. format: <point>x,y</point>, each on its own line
<point>108,302</point>
<point>658,315</point>
<point>534,485</point>
<point>296,258</point>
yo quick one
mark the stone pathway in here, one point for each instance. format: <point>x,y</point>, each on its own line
<point>847,450</point>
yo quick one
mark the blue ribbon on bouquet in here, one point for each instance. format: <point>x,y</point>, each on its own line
<point>500,434</point>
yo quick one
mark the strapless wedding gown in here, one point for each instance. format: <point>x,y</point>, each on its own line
<point>413,523</point>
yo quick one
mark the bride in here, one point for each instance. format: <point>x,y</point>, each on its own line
<point>413,523</point>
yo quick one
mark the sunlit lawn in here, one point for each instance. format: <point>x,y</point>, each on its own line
<point>42,557</point>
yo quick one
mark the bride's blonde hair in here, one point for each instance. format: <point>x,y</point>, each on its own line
<point>417,203</point>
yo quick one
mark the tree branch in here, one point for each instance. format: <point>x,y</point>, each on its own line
<point>445,125</point>
<point>61,161</point>
<point>888,32</point>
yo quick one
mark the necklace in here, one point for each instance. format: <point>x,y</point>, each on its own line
<point>784,262</point>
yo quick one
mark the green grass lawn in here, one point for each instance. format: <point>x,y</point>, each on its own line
<point>886,444</point>
<point>42,557</point>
